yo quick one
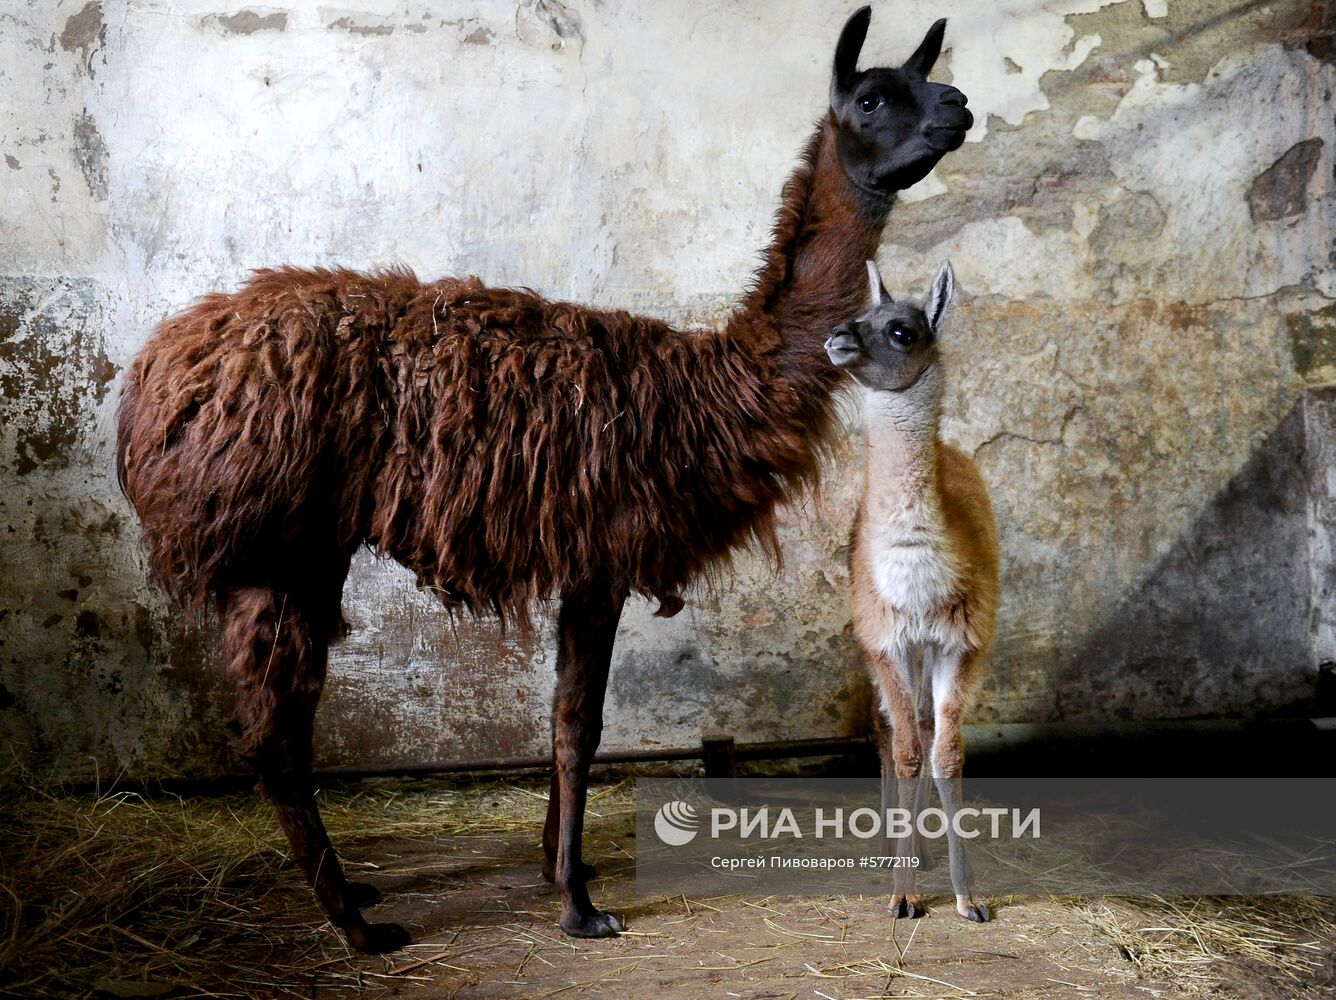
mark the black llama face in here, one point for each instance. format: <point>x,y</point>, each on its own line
<point>894,124</point>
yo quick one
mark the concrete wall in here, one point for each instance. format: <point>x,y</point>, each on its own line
<point>1141,224</point>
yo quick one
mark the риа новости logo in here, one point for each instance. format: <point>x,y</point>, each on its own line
<point>676,823</point>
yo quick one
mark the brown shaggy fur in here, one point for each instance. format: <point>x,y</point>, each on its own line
<point>504,447</point>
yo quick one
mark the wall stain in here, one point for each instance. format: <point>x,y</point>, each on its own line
<point>53,371</point>
<point>85,33</point>
<point>550,23</point>
<point>370,29</point>
<point>246,22</point>
<point>90,152</point>
<point>1035,171</point>
<point>1281,190</point>
<point>354,28</point>
<point>1191,37</point>
<point>1312,338</point>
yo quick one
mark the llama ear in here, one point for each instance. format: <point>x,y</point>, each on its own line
<point>876,286</point>
<point>940,295</point>
<point>850,44</point>
<point>920,63</point>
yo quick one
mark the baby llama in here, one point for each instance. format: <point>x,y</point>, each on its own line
<point>923,563</point>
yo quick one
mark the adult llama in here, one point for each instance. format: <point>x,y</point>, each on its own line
<point>506,448</point>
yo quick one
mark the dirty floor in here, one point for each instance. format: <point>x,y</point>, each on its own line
<point>458,866</point>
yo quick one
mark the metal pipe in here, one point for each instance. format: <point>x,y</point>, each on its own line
<point>1000,743</point>
<point>744,751</point>
<point>222,784</point>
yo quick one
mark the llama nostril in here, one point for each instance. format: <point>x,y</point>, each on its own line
<point>955,98</point>
<point>842,339</point>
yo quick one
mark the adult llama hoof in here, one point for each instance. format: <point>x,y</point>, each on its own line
<point>360,894</point>
<point>595,924</point>
<point>907,908</point>
<point>584,873</point>
<point>972,910</point>
<point>377,939</point>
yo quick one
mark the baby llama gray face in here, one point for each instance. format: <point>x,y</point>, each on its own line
<point>892,344</point>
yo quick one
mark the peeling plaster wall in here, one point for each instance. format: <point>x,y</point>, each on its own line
<point>1141,224</point>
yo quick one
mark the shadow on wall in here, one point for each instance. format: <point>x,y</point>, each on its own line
<point>1233,593</point>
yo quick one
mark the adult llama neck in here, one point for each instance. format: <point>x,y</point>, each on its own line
<point>812,275</point>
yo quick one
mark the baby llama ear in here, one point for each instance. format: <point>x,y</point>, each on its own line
<point>875,285</point>
<point>940,295</point>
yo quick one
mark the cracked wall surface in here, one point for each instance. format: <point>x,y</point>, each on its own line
<point>1141,225</point>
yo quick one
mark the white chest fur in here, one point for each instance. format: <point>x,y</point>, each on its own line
<point>914,570</point>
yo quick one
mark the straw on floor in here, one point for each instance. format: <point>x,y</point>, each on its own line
<point>123,894</point>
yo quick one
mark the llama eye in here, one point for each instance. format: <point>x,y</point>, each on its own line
<point>869,104</point>
<point>903,337</point>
